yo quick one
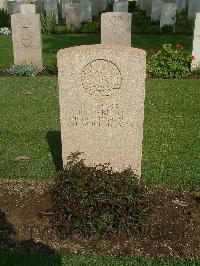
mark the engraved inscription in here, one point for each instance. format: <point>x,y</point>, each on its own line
<point>101,77</point>
<point>117,25</point>
<point>26,38</point>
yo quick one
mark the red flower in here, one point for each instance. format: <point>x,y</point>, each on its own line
<point>152,52</point>
<point>179,46</point>
<point>193,58</point>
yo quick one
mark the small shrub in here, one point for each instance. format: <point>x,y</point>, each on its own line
<point>4,18</point>
<point>169,62</point>
<point>24,70</point>
<point>167,29</point>
<point>132,6</point>
<point>139,18</point>
<point>91,27</point>
<point>95,201</point>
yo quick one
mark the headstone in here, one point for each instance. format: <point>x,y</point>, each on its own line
<point>116,28</point>
<point>156,10</point>
<point>193,8</point>
<point>120,6</point>
<point>13,7</point>
<point>63,3</point>
<point>103,4</point>
<point>147,4</point>
<point>180,5</point>
<point>196,43</point>
<point>27,8</point>
<point>73,16</point>
<point>1,4</point>
<point>101,92</point>
<point>39,6</point>
<point>86,10</point>
<point>95,7</point>
<point>168,14</point>
<point>26,37</point>
<point>50,6</point>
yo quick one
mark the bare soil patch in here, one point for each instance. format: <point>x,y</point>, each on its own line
<point>171,226</point>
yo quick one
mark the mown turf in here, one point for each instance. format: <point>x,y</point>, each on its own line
<point>53,43</point>
<point>8,258</point>
<point>30,126</point>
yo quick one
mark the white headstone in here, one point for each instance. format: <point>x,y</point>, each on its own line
<point>196,43</point>
<point>28,8</point>
<point>120,6</point>
<point>116,28</point>
<point>156,10</point>
<point>193,8</point>
<point>168,14</point>
<point>86,10</point>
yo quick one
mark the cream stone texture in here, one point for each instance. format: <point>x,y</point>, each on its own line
<point>73,16</point>
<point>27,8</point>
<point>116,28</point>
<point>26,38</point>
<point>101,94</point>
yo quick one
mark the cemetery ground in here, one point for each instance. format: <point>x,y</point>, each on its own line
<point>31,127</point>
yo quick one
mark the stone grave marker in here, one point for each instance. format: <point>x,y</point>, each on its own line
<point>101,93</point>
<point>95,7</point>
<point>26,38</point>
<point>50,6</point>
<point>168,14</point>
<point>180,5</point>
<point>86,10</point>
<point>63,3</point>
<point>116,28</point>
<point>27,9</point>
<point>156,10</point>
<point>196,43</point>
<point>39,6</point>
<point>13,7</point>
<point>73,16</point>
<point>120,6</point>
<point>193,8</point>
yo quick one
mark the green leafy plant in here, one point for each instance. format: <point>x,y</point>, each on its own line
<point>95,201</point>
<point>169,62</point>
<point>24,70</point>
<point>167,29</point>
<point>91,27</point>
<point>48,23</point>
<point>4,18</point>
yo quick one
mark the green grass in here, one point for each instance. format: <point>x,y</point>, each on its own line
<point>8,258</point>
<point>30,126</point>
<point>53,43</point>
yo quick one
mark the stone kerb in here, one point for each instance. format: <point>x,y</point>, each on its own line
<point>116,28</point>
<point>101,94</point>
<point>26,38</point>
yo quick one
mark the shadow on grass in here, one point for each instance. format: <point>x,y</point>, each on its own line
<point>54,142</point>
<point>26,252</point>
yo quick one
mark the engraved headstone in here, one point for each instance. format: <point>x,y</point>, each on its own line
<point>116,28</point>
<point>101,92</point>
<point>120,6</point>
<point>86,10</point>
<point>193,8</point>
<point>196,43</point>
<point>73,16</point>
<point>168,14</point>
<point>27,8</point>
<point>156,10</point>
<point>26,38</point>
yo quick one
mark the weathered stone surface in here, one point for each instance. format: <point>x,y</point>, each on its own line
<point>27,9</point>
<point>86,10</point>
<point>156,10</point>
<point>73,16</point>
<point>196,43</point>
<point>116,28</point>
<point>63,3</point>
<point>13,7</point>
<point>168,14</point>
<point>120,6</point>
<point>101,92</point>
<point>193,8</point>
<point>39,6</point>
<point>26,37</point>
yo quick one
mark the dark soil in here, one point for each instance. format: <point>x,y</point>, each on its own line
<point>44,73</point>
<point>171,227</point>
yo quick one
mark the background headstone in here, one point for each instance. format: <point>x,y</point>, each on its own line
<point>86,10</point>
<point>193,8</point>
<point>156,10</point>
<point>73,16</point>
<point>196,43</point>
<point>116,28</point>
<point>63,3</point>
<point>168,14</point>
<point>28,8</point>
<point>27,41</point>
<point>101,92</point>
<point>147,4</point>
<point>50,6</point>
<point>120,6</point>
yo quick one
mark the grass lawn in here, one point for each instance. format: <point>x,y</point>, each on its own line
<point>34,259</point>
<point>30,126</point>
<point>52,43</point>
